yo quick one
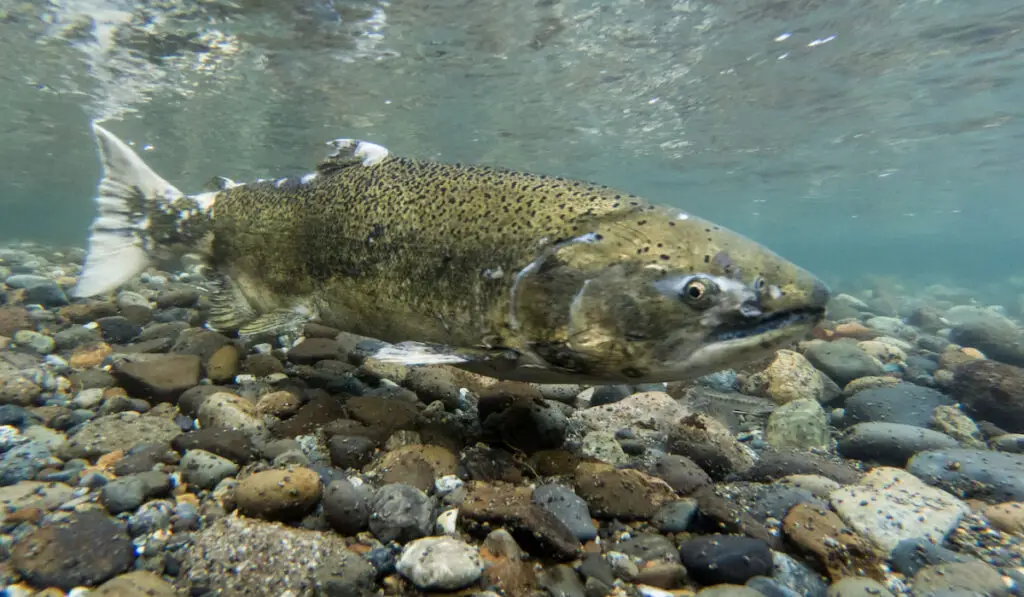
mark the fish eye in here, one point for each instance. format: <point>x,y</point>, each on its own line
<point>697,291</point>
<point>759,284</point>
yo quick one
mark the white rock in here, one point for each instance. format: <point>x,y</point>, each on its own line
<point>440,564</point>
<point>890,505</point>
<point>446,523</point>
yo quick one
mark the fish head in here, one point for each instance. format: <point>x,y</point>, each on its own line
<point>659,295</point>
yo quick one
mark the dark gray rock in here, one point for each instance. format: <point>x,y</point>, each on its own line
<point>649,547</point>
<point>675,516</point>
<point>85,550</point>
<point>681,473</point>
<point>401,513</point>
<point>890,444</point>
<point>117,329</point>
<point>609,394</point>
<point>126,494</point>
<point>226,443</point>
<point>774,501</point>
<point>351,451</point>
<point>567,507</point>
<point>23,462</point>
<point>842,361</point>
<point>158,377</point>
<point>911,555</point>
<point>205,469</point>
<point>968,473</point>
<point>348,576</point>
<point>903,403</point>
<point>725,559</point>
<point>347,506</point>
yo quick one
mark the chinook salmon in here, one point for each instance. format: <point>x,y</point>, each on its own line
<point>512,275</point>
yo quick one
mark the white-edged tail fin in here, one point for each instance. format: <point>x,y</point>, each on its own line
<point>118,242</point>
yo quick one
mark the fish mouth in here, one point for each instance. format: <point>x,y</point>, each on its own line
<point>766,324</point>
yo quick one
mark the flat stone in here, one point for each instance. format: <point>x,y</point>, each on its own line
<point>968,473</point>
<point>158,377</point>
<point>890,505</point>
<point>86,549</point>
<point>119,431</point>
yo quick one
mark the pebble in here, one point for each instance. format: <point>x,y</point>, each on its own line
<point>226,443</point>
<point>440,564</point>
<point>205,470</point>
<point>911,555</point>
<point>800,424</point>
<point>890,444</point>
<point>347,506</point>
<point>87,548</point>
<point>890,505</point>
<point>675,516</point>
<point>903,403</point>
<point>728,559</point>
<point>535,528</point>
<point>858,587</point>
<point>23,462</point>
<point>991,391</point>
<point>35,341</point>
<point>158,377</point>
<point>119,431</point>
<point>279,494</point>
<point>710,444</point>
<point>965,578</point>
<point>843,361</point>
<point>567,507</point>
<point>790,376</point>
<point>117,329</point>
<point>822,535</point>
<point>16,390</point>
<point>138,583</point>
<point>972,473</point>
<point>229,411</point>
<point>351,451</point>
<point>401,512</point>
<point>127,494</point>
<point>625,494</point>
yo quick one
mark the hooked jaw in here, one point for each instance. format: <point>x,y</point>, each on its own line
<point>770,312</point>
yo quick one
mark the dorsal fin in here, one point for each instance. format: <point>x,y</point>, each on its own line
<point>351,152</point>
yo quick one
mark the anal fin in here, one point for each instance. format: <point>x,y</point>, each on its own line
<point>421,353</point>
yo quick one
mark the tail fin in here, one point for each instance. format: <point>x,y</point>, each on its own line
<point>119,242</point>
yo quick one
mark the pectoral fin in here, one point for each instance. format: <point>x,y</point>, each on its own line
<point>420,353</point>
<point>229,309</point>
<point>281,322</point>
